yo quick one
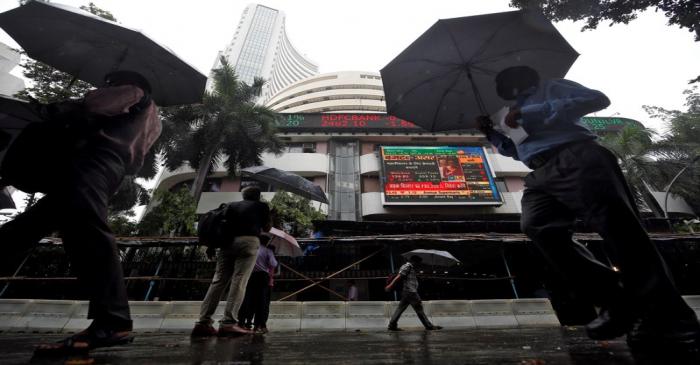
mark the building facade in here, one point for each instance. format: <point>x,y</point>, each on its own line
<point>261,48</point>
<point>9,83</point>
<point>336,135</point>
<point>336,92</point>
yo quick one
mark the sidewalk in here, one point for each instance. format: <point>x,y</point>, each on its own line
<point>529,346</point>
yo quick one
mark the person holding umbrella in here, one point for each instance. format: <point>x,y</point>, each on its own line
<point>124,124</point>
<point>575,177</point>
<point>409,295</point>
<point>107,135</point>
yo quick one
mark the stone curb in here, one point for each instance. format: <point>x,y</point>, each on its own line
<point>54,316</point>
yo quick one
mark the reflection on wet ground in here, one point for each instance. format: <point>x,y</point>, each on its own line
<point>532,346</point>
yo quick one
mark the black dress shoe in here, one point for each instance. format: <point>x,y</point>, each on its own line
<point>665,334</point>
<point>608,325</point>
<point>434,328</point>
<point>394,328</point>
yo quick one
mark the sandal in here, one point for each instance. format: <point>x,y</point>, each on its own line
<point>85,341</point>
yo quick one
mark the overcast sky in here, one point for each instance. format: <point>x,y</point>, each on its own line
<point>644,63</point>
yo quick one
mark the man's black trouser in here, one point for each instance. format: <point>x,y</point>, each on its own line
<point>256,305</point>
<point>76,207</point>
<point>583,180</point>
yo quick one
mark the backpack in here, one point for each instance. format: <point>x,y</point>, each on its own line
<point>391,277</point>
<point>214,228</point>
<point>47,148</point>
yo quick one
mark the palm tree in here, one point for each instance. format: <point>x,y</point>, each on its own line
<point>634,146</point>
<point>679,148</point>
<point>228,127</point>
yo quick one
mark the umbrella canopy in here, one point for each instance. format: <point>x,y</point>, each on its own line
<point>89,47</point>
<point>446,77</point>
<point>285,245</point>
<point>433,257</point>
<point>288,181</point>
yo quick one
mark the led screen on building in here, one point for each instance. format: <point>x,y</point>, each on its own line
<point>437,175</point>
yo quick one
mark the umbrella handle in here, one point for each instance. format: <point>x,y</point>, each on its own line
<point>477,95</point>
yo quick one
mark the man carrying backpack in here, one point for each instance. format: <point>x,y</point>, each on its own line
<point>119,123</point>
<point>234,263</point>
<point>409,295</point>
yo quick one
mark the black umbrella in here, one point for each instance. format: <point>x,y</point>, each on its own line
<point>445,78</point>
<point>288,181</point>
<point>89,47</point>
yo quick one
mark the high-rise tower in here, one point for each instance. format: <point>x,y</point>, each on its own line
<point>261,48</point>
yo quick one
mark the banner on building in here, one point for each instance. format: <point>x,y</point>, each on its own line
<point>437,175</point>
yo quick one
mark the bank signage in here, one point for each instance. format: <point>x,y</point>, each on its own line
<point>344,122</point>
<point>437,175</point>
<point>377,123</point>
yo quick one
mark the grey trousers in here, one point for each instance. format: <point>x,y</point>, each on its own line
<point>233,265</point>
<point>412,299</point>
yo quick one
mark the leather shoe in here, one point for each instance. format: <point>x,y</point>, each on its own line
<point>394,328</point>
<point>608,326</point>
<point>227,330</point>
<point>683,333</point>
<point>434,328</point>
<point>203,330</point>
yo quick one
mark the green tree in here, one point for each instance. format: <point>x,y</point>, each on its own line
<point>294,213</point>
<point>172,213</point>
<point>122,225</point>
<point>49,85</point>
<point>678,147</point>
<point>684,13</point>
<point>228,127</point>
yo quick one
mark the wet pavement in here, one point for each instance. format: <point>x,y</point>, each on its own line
<point>530,346</point>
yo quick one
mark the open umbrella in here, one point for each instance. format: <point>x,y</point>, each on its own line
<point>445,78</point>
<point>285,245</point>
<point>88,47</point>
<point>288,181</point>
<point>433,257</point>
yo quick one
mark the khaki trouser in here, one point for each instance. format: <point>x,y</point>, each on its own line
<point>233,264</point>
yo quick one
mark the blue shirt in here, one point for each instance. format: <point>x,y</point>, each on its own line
<point>551,116</point>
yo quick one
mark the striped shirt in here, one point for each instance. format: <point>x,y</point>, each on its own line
<point>408,275</point>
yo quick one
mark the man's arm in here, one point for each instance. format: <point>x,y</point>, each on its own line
<point>273,261</point>
<point>266,219</point>
<point>393,282</point>
<point>505,145</point>
<point>566,102</point>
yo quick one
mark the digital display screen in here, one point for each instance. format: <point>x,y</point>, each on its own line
<point>340,122</point>
<point>437,175</point>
